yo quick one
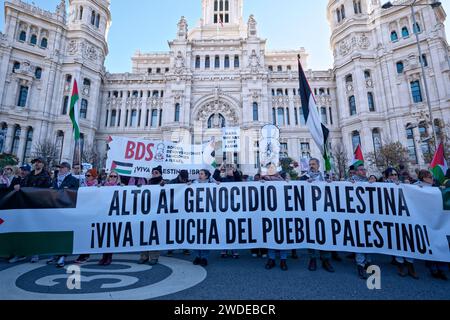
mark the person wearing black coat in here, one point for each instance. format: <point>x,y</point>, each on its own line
<point>64,179</point>
<point>227,174</point>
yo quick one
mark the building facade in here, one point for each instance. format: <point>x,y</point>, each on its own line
<point>221,75</point>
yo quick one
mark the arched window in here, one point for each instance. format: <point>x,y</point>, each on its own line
<point>417,28</point>
<point>112,121</point>
<point>371,101</point>
<point>28,144</point>
<point>65,105</point>
<point>343,12</point>
<point>405,32</point>
<point>59,144</point>
<point>236,61</point>
<point>394,36</point>
<point>279,68</point>
<point>367,74</point>
<point>154,119</point>
<point>3,132</point>
<point>280,118</point>
<point>38,73</point>
<point>177,112</point>
<point>227,62</point>
<point>86,82</point>
<point>324,116</point>
<point>16,140</point>
<point>44,43</point>
<point>217,62</point>
<point>83,109</point>
<point>207,62</point>
<point>423,60</point>
<point>302,117</point>
<point>23,95</point>
<point>33,39</point>
<point>349,78</point>
<point>93,18</point>
<point>352,105</point>
<point>416,92</point>
<point>68,82</point>
<point>376,137</point>
<point>81,13</point>
<point>255,111</point>
<point>400,67</point>
<point>338,15</point>
<point>16,66</point>
<point>133,118</point>
<point>97,21</point>
<point>221,11</point>
<point>356,139</point>
<point>357,7</point>
<point>197,62</point>
<point>279,92</point>
<point>23,36</point>
<point>271,68</point>
<point>155,94</point>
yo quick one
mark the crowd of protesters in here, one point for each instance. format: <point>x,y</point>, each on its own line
<point>72,178</point>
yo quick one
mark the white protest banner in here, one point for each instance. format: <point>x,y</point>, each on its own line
<point>387,219</point>
<point>231,139</point>
<point>137,157</point>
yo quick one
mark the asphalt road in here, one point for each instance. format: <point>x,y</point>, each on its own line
<point>246,278</point>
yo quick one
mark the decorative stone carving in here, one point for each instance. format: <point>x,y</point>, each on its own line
<point>251,30</point>
<point>179,63</point>
<point>356,42</point>
<point>254,63</point>
<point>72,48</point>
<point>182,29</point>
<point>216,108</point>
<point>89,52</point>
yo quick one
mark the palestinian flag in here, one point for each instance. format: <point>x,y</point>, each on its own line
<point>74,111</point>
<point>319,132</point>
<point>358,158</point>
<point>122,168</point>
<point>439,166</point>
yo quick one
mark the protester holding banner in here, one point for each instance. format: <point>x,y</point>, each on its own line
<point>112,180</point>
<point>273,175</point>
<point>363,260</point>
<point>64,180</point>
<point>39,177</point>
<point>90,181</point>
<point>314,175</point>
<point>228,173</point>
<point>201,257</point>
<point>152,257</point>
<point>391,175</point>
<point>436,268</point>
<point>182,178</point>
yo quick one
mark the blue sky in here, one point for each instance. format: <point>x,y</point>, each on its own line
<point>147,25</point>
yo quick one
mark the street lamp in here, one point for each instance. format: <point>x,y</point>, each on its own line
<point>434,5</point>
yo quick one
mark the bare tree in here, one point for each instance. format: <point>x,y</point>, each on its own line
<point>48,151</point>
<point>340,160</point>
<point>90,155</point>
<point>392,154</point>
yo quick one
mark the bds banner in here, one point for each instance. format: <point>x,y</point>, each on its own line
<point>137,157</point>
<point>387,219</point>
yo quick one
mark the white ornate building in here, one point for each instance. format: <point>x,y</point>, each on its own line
<point>220,74</point>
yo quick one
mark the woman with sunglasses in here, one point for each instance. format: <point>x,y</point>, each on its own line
<point>113,180</point>
<point>90,181</point>
<point>391,175</point>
